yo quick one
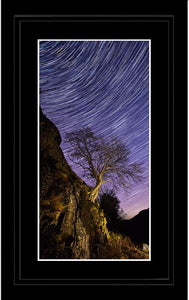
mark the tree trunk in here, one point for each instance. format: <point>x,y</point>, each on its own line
<point>95,191</point>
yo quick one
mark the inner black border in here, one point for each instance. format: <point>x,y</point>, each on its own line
<point>19,20</point>
<point>38,53</point>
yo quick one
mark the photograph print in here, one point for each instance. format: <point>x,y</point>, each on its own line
<point>94,150</point>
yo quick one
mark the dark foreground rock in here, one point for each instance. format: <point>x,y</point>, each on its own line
<point>69,221</point>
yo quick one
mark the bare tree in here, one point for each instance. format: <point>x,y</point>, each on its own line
<point>102,160</point>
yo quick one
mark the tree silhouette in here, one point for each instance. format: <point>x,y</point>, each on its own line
<point>111,207</point>
<point>104,160</point>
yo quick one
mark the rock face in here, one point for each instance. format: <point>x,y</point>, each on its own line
<point>71,225</point>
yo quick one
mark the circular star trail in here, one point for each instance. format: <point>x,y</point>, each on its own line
<point>103,85</point>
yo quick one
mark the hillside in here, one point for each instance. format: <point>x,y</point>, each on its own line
<point>72,225</point>
<point>137,227</point>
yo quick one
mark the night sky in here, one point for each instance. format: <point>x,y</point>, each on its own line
<point>103,85</point>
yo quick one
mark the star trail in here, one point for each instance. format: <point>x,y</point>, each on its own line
<point>104,85</point>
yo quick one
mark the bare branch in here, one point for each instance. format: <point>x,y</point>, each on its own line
<point>103,160</point>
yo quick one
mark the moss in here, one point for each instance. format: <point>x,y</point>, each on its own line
<point>87,216</point>
<point>62,236</point>
<point>64,176</point>
<point>121,246</point>
<point>93,218</point>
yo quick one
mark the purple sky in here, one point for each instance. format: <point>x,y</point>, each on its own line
<point>103,85</point>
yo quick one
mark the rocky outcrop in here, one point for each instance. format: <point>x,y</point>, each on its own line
<point>71,225</point>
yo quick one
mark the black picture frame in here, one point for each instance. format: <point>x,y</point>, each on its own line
<point>21,272</point>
